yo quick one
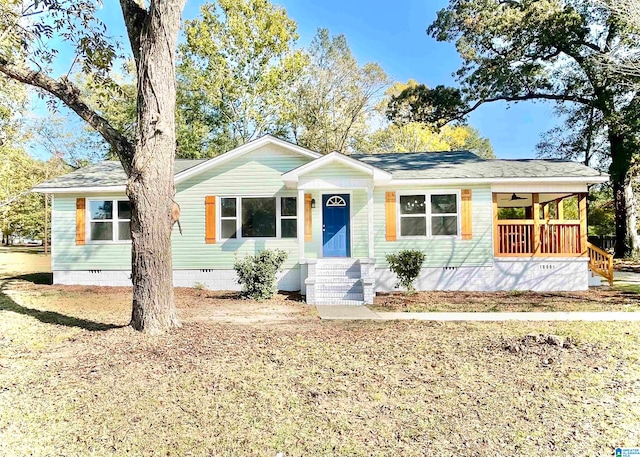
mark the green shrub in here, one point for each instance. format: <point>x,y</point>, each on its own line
<point>406,265</point>
<point>257,273</point>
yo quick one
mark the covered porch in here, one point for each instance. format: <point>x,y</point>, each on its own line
<point>546,224</point>
<point>536,224</point>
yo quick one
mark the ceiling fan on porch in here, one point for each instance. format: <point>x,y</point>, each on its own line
<point>515,197</point>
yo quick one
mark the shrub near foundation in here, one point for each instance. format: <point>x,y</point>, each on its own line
<point>257,273</point>
<point>406,265</point>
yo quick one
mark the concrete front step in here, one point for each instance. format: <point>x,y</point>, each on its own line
<point>336,281</point>
<point>331,273</point>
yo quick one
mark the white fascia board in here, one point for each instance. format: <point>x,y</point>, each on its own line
<point>80,190</point>
<point>244,149</point>
<point>533,181</point>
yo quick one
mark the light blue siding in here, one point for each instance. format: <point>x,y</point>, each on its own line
<point>67,256</point>
<point>257,173</point>
<point>442,252</point>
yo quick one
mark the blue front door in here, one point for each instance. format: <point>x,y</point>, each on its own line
<point>335,225</point>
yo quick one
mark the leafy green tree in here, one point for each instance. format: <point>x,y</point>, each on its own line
<point>601,213</point>
<point>419,137</point>
<point>550,50</point>
<point>237,69</point>
<point>409,133</point>
<point>21,211</point>
<point>335,97</point>
<point>27,55</point>
<point>624,59</point>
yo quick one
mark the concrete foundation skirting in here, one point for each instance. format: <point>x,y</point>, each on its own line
<point>288,280</point>
<point>537,274</point>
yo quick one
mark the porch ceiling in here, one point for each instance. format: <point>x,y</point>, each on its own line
<point>505,201</point>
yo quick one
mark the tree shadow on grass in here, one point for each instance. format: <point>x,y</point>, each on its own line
<point>36,278</point>
<point>51,317</point>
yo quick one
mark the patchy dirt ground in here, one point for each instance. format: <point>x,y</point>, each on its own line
<point>75,381</point>
<point>596,299</point>
<point>112,304</point>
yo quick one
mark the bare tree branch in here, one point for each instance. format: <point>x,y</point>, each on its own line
<point>517,98</point>
<point>69,94</point>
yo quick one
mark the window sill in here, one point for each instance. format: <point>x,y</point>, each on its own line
<point>107,242</point>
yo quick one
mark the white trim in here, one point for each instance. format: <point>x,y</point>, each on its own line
<point>370,222</point>
<point>322,194</point>
<point>428,214</point>
<point>52,244</point>
<point>292,177</point>
<point>301,227</point>
<point>241,150</point>
<point>278,198</point>
<point>539,188</point>
<point>115,220</point>
<point>79,190</point>
<point>467,181</point>
<point>336,200</point>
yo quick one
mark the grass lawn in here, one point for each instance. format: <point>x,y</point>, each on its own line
<point>247,378</point>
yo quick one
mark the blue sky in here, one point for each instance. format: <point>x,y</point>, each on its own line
<point>393,34</point>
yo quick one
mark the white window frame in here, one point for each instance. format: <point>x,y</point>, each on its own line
<point>227,218</point>
<point>115,220</point>
<point>428,214</point>
<point>238,218</point>
<point>281,218</point>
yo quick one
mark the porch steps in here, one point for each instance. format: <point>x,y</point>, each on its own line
<point>338,282</point>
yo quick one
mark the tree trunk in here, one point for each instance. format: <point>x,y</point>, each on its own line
<point>627,241</point>
<point>150,186</point>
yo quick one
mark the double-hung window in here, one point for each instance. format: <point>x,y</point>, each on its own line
<point>109,220</point>
<point>429,215</point>
<point>258,217</point>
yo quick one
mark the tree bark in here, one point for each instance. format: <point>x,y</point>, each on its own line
<point>627,241</point>
<point>150,186</point>
<point>149,165</point>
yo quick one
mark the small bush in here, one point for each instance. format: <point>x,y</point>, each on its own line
<point>406,265</point>
<point>257,273</point>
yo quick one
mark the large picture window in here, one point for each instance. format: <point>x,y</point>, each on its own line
<point>430,215</point>
<point>109,220</point>
<point>258,217</point>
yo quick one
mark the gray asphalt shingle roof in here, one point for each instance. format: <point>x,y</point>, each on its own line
<point>464,164</point>
<point>105,174</point>
<point>409,165</point>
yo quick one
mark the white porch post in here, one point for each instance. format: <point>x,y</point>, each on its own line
<point>370,225</point>
<point>300,213</point>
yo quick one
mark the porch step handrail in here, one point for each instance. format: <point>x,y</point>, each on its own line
<point>601,262</point>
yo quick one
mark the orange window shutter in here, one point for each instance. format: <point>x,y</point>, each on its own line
<point>466,214</point>
<point>81,205</point>
<point>210,219</point>
<point>308,232</point>
<point>390,215</point>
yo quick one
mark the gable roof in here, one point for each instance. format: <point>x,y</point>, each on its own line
<point>109,176</point>
<point>434,168</point>
<point>466,165</point>
<point>244,149</point>
<point>378,175</point>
